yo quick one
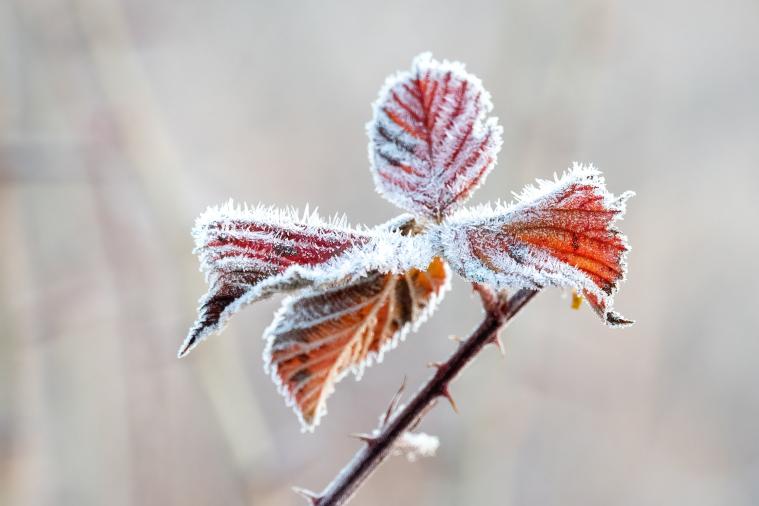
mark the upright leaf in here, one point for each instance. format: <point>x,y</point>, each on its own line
<point>560,234</point>
<point>431,140</point>
<point>319,336</point>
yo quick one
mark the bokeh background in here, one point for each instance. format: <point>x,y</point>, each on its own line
<point>121,120</point>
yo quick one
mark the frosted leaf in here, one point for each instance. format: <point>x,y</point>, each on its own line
<point>558,234</point>
<point>319,336</point>
<point>431,141</point>
<point>250,253</point>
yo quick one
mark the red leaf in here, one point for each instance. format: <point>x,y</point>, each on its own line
<point>431,142</point>
<point>248,254</point>
<point>561,234</point>
<point>318,337</point>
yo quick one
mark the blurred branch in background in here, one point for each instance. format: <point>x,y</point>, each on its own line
<point>120,158</point>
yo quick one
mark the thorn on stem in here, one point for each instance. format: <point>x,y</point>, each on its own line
<point>366,438</point>
<point>309,496</point>
<point>496,340</point>
<point>456,339</point>
<point>436,365</point>
<point>393,404</point>
<point>447,394</point>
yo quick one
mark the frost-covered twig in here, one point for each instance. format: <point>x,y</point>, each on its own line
<point>498,312</point>
<point>356,292</point>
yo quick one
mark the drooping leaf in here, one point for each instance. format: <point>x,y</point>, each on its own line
<point>249,254</point>
<point>319,336</point>
<point>431,140</point>
<point>559,234</point>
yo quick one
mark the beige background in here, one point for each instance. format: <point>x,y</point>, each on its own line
<point>121,120</point>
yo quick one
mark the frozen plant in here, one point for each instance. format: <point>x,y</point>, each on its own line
<point>355,292</point>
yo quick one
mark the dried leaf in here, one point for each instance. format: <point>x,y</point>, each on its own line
<point>431,142</point>
<point>318,337</point>
<point>559,234</point>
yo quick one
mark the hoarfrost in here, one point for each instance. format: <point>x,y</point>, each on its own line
<point>357,291</point>
<point>415,445</point>
<point>250,253</point>
<point>319,336</point>
<point>431,142</point>
<point>558,233</point>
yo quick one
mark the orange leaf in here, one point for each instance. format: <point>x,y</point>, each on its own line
<point>318,337</point>
<point>560,234</point>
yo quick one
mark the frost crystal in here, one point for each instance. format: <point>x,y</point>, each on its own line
<point>560,233</point>
<point>320,336</point>
<point>356,292</point>
<point>415,445</point>
<point>431,142</point>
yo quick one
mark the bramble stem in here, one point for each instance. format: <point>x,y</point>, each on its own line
<point>498,312</point>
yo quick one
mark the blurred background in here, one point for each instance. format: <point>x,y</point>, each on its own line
<point>121,120</point>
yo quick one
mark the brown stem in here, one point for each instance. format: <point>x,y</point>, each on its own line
<point>498,312</point>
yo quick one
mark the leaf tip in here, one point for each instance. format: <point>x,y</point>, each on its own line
<point>616,320</point>
<point>187,346</point>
